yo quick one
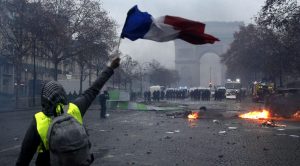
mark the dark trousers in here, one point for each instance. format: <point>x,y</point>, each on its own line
<point>103,111</point>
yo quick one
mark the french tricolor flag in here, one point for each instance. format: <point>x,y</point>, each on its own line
<point>141,25</point>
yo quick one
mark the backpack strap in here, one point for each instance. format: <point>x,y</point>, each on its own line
<point>74,111</point>
<point>42,124</point>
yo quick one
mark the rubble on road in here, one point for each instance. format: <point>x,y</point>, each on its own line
<point>271,123</point>
<point>179,114</point>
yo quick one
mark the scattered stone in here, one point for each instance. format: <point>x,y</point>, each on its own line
<point>265,149</point>
<point>109,156</point>
<point>222,132</point>
<point>232,128</point>
<point>216,121</point>
<point>130,163</point>
<point>271,123</point>
<point>295,136</point>
<point>202,108</point>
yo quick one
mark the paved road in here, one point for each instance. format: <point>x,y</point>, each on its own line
<point>152,138</point>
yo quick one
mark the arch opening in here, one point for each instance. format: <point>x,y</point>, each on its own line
<point>211,70</point>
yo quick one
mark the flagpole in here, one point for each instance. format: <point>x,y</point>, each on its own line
<point>119,43</point>
<point>116,54</point>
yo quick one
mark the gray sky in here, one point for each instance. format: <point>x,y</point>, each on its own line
<point>198,10</point>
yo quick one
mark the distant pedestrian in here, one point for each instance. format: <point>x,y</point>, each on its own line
<point>103,97</point>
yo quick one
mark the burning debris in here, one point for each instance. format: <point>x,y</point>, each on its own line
<point>193,115</point>
<point>264,114</point>
<point>271,123</point>
<point>296,115</point>
<point>184,114</point>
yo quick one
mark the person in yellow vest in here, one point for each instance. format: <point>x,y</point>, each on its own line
<point>53,98</point>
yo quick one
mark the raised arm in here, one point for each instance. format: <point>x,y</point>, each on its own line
<point>84,101</point>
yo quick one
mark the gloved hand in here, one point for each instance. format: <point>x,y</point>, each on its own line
<point>115,63</point>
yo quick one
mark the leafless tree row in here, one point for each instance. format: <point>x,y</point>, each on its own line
<point>57,31</point>
<point>269,49</point>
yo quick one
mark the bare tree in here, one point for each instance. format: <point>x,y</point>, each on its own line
<point>130,68</point>
<point>14,29</point>
<point>66,20</point>
<point>162,76</point>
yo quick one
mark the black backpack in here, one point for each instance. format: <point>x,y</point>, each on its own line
<point>69,144</point>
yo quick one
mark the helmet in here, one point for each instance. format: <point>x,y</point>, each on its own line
<point>52,94</point>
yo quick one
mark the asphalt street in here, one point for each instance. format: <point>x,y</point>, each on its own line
<point>151,138</point>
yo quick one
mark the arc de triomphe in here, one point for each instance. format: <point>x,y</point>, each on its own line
<point>187,56</point>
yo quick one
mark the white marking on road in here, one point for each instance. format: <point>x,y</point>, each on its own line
<point>11,148</point>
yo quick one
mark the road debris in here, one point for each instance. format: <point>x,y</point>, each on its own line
<point>232,128</point>
<point>176,131</point>
<point>216,121</point>
<point>222,132</point>
<point>271,123</point>
<point>295,136</point>
<point>179,114</point>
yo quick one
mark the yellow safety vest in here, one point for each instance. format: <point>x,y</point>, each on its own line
<point>43,123</point>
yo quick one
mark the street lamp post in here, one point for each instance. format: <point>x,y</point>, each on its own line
<point>26,82</point>
<point>142,70</point>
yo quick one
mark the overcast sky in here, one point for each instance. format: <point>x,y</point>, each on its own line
<point>199,10</point>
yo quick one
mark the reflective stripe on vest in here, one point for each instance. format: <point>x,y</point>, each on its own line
<point>43,123</point>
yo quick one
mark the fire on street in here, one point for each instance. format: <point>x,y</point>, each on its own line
<point>153,138</point>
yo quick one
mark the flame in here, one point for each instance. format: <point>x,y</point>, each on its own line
<point>193,115</point>
<point>296,115</point>
<point>256,115</point>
